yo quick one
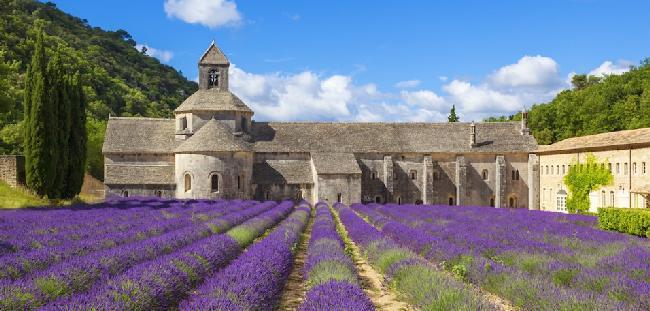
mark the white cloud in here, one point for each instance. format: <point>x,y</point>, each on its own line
<point>407,84</point>
<point>529,71</point>
<point>162,55</point>
<point>210,13</point>
<point>611,68</point>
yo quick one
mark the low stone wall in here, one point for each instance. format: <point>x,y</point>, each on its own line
<point>12,169</point>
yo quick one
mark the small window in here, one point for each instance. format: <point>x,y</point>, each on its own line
<point>399,200</point>
<point>625,168</point>
<point>603,199</point>
<point>125,193</point>
<point>378,199</point>
<point>267,195</point>
<point>618,168</point>
<point>513,175</point>
<point>214,183</point>
<point>188,182</point>
<point>159,194</point>
<point>512,201</point>
<point>402,158</point>
<point>547,170</point>
<point>183,124</point>
<point>517,174</point>
<point>612,199</point>
<point>339,198</point>
<point>451,201</point>
<point>374,175</point>
<point>484,175</point>
<point>414,175</point>
<point>643,168</point>
<point>634,168</point>
<point>563,169</point>
<point>609,166</point>
<point>492,202</point>
<point>436,176</point>
<point>238,182</point>
<point>243,124</point>
<point>213,79</point>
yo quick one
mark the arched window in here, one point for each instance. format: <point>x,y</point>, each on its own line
<point>603,199</point>
<point>339,198</point>
<point>625,168</point>
<point>373,175</point>
<point>484,175</point>
<point>492,202</point>
<point>125,193</point>
<point>399,200</point>
<point>513,174</point>
<point>618,168</point>
<point>634,168</point>
<point>159,194</point>
<point>214,183</point>
<point>451,201</point>
<point>238,182</point>
<point>414,175</point>
<point>267,195</point>
<point>612,200</point>
<point>512,201</point>
<point>243,124</point>
<point>183,123</point>
<point>561,200</point>
<point>436,176</point>
<point>517,174</point>
<point>213,79</point>
<point>188,182</point>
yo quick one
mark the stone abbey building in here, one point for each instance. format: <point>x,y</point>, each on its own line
<point>213,149</point>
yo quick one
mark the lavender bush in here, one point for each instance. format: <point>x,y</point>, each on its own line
<point>537,260</point>
<point>329,272</point>
<point>254,280</point>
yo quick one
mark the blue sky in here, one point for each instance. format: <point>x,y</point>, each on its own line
<point>387,60</point>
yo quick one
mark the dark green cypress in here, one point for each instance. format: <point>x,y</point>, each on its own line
<point>60,101</point>
<point>77,138</point>
<point>40,131</point>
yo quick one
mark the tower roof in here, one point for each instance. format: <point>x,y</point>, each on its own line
<point>214,136</point>
<point>213,100</point>
<point>213,56</point>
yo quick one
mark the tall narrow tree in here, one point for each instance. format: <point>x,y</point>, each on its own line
<point>60,100</point>
<point>40,125</point>
<point>452,115</point>
<point>77,138</point>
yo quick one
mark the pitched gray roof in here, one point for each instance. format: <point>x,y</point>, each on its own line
<point>389,137</point>
<point>282,172</point>
<point>214,136</point>
<point>213,100</point>
<point>335,163</point>
<point>214,56</point>
<point>130,174</point>
<point>139,135</point>
<point>610,140</point>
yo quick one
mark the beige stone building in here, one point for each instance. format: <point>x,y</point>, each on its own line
<point>625,153</point>
<point>213,149</point>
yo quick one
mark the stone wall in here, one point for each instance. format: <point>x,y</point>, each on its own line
<point>12,169</point>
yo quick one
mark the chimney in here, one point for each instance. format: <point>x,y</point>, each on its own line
<point>472,135</point>
<point>524,123</point>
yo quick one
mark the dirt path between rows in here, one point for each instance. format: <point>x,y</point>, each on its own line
<point>294,290</point>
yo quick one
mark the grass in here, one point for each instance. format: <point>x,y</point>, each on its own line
<point>19,197</point>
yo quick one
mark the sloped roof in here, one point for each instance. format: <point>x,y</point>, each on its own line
<point>213,56</point>
<point>214,136</point>
<point>282,172</point>
<point>389,137</point>
<point>213,100</point>
<point>335,163</point>
<point>130,174</point>
<point>610,140</point>
<point>139,135</point>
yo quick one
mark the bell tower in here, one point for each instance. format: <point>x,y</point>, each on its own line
<point>213,70</point>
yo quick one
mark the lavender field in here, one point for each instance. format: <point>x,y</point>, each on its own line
<point>155,254</point>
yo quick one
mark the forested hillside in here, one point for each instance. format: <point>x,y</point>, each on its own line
<point>118,79</point>
<point>593,105</point>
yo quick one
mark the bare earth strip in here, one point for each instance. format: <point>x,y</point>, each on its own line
<point>294,290</point>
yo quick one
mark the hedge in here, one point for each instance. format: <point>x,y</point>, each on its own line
<point>627,220</point>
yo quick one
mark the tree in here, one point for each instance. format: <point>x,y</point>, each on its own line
<point>584,178</point>
<point>452,115</point>
<point>60,101</point>
<point>77,139</point>
<point>40,124</point>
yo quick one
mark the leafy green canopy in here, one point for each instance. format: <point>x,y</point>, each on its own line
<point>584,178</point>
<point>116,78</point>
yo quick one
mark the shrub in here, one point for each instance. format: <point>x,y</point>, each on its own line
<point>626,220</point>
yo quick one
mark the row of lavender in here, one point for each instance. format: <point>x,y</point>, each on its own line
<point>420,283</point>
<point>144,223</point>
<point>79,274</point>
<point>329,273</point>
<point>161,283</point>
<point>537,260</point>
<point>254,281</point>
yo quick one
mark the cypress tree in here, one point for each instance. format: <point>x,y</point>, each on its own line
<point>77,138</point>
<point>39,128</point>
<point>60,101</point>
<point>452,115</point>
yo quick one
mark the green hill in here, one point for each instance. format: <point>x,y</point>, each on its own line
<point>118,79</point>
<point>592,106</point>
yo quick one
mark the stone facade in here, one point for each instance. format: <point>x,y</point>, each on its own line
<point>12,169</point>
<point>626,154</point>
<point>213,149</point>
